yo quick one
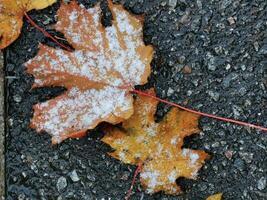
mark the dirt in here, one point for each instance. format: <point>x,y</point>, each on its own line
<point>209,56</point>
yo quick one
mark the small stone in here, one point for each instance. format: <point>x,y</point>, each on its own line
<point>170,92</point>
<point>247,157</point>
<point>181,59</point>
<point>187,69</point>
<point>203,187</point>
<point>242,91</point>
<point>261,183</point>
<point>214,95</point>
<point>21,196</point>
<point>172,3</point>
<point>211,62</point>
<point>24,174</point>
<point>237,111</point>
<point>228,66</point>
<point>263,49</point>
<point>61,183</point>
<point>231,20</point>
<point>91,178</point>
<point>218,50</point>
<point>238,163</point>
<point>199,4</point>
<point>256,46</point>
<point>243,67</point>
<point>59,198</point>
<point>228,79</point>
<point>17,98</point>
<point>215,144</point>
<point>125,176</point>
<point>74,176</point>
<point>189,92</point>
<point>47,21</point>
<point>163,3</point>
<point>228,154</point>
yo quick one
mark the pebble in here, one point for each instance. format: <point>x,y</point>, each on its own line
<point>181,59</point>
<point>231,20</point>
<point>91,177</point>
<point>61,183</point>
<point>187,69</point>
<point>74,176</point>
<point>211,62</point>
<point>228,154</point>
<point>228,66</point>
<point>214,95</point>
<point>261,183</point>
<point>243,67</point>
<point>229,78</point>
<point>170,92</point>
<point>247,157</point>
<point>238,163</point>
<point>218,50</point>
<point>263,49</point>
<point>17,98</point>
<point>256,46</point>
<point>172,3</point>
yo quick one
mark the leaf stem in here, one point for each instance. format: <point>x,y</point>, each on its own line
<point>136,172</point>
<point>200,113</point>
<point>45,32</point>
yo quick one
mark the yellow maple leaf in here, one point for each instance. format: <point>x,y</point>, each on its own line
<point>157,145</point>
<point>215,197</point>
<point>11,17</point>
<point>105,59</point>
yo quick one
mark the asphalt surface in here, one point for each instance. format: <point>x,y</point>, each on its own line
<point>2,130</point>
<point>210,56</point>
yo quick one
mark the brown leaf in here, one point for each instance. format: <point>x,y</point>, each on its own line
<point>215,197</point>
<point>104,60</point>
<point>157,145</point>
<point>11,16</point>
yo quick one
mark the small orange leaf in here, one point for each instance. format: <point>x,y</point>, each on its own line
<point>157,145</point>
<point>11,15</point>
<point>104,60</point>
<point>215,197</point>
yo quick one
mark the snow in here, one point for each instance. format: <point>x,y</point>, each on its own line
<point>174,140</point>
<point>122,156</point>
<point>152,178</point>
<point>73,16</point>
<point>192,156</point>
<point>151,130</point>
<point>80,110</point>
<point>172,176</point>
<point>99,57</point>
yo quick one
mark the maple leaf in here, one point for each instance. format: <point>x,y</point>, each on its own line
<point>215,197</point>
<point>157,145</point>
<point>105,58</point>
<point>11,17</point>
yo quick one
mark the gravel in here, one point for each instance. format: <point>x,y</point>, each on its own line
<point>224,43</point>
<point>74,176</point>
<point>61,183</point>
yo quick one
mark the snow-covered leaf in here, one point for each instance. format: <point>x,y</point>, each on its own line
<point>157,145</point>
<point>105,59</point>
